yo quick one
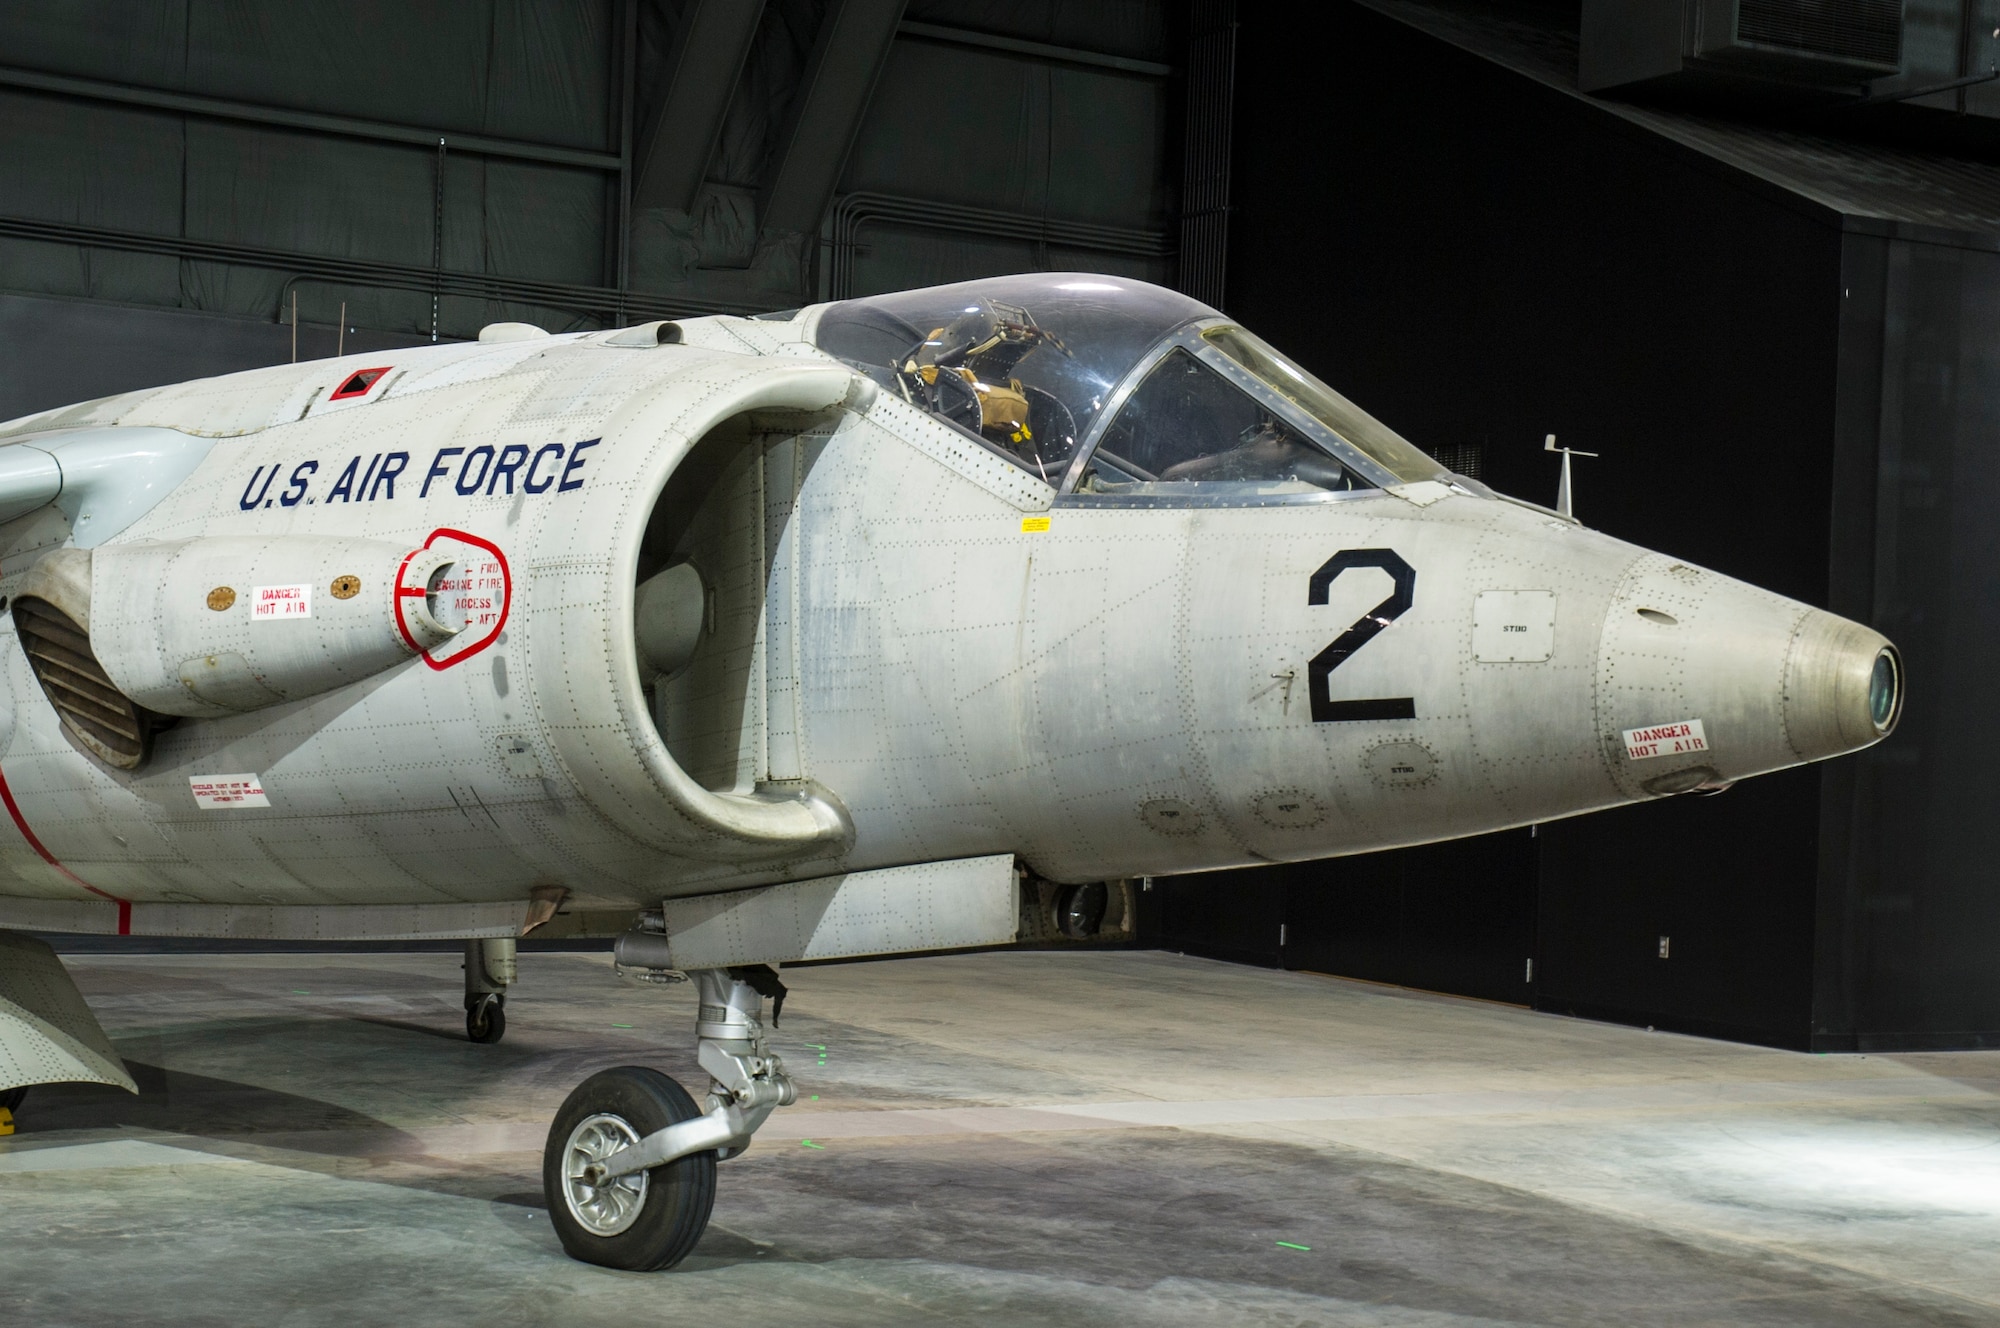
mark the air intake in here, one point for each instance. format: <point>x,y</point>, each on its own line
<point>99,716</point>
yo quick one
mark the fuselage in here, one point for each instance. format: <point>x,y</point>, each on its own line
<point>914,640</point>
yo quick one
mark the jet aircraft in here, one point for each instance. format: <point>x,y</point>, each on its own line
<point>914,622</point>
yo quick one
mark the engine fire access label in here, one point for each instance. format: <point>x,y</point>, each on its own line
<point>475,595</point>
<point>1665,740</point>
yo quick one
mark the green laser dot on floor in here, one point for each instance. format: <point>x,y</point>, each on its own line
<point>807,1143</point>
<point>1290,1246</point>
<point>621,1025</point>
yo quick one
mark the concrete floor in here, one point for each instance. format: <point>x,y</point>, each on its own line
<point>1000,1139</point>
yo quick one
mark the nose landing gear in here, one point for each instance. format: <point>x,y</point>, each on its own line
<point>629,1168</point>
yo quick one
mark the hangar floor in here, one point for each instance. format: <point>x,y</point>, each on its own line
<point>1004,1138</point>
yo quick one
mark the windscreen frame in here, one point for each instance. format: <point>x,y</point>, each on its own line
<point>1189,337</point>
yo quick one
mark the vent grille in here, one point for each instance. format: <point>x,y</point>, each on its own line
<point>1864,31</point>
<point>100,716</point>
<point>1467,459</point>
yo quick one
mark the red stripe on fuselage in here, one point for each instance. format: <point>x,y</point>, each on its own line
<point>21,824</point>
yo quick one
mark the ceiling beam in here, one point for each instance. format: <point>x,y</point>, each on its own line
<point>675,146</point>
<point>1067,55</point>
<point>825,114</point>
<point>340,126</point>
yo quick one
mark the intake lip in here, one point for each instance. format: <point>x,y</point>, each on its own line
<point>1843,687</point>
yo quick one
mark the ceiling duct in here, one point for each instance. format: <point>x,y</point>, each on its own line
<point>1860,34</point>
<point>1813,44</point>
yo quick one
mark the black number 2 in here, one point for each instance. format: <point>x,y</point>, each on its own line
<point>1320,672</point>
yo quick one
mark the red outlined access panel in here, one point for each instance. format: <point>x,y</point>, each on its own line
<point>478,592</point>
<point>357,383</point>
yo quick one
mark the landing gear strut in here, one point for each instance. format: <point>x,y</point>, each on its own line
<point>629,1169</point>
<point>489,971</point>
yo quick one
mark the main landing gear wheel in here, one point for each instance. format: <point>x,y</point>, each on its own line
<point>486,1017</point>
<point>641,1222</point>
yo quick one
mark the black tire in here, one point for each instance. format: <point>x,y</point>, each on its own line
<point>11,1098</point>
<point>486,1019</point>
<point>674,1209</point>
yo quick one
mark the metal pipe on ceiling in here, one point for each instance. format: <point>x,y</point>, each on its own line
<point>594,302</point>
<point>1067,55</point>
<point>339,126</point>
<point>859,209</point>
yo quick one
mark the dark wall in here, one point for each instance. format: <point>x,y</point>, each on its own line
<point>60,352</point>
<point>1729,882</point>
<point>1457,917</point>
<point>1477,258</point>
<point>1231,915</point>
<point>1910,906</point>
<point>1480,259</point>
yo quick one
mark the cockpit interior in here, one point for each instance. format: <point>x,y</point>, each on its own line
<point>1117,391</point>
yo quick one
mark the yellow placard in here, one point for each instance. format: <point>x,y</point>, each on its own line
<point>1034,525</point>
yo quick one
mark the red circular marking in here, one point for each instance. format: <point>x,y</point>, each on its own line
<point>506,603</point>
<point>401,591</point>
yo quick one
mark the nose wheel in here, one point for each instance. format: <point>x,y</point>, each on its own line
<point>640,1221</point>
<point>629,1168</point>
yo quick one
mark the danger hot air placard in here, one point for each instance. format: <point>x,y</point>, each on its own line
<point>1674,739</point>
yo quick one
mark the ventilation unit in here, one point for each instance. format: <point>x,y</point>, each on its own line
<point>1865,35</point>
<point>1814,43</point>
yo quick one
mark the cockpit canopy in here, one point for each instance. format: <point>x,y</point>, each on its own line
<point>1107,386</point>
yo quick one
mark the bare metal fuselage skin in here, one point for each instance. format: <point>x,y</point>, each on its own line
<point>911,650</point>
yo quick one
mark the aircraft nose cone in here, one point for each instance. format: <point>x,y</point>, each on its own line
<point>1843,687</point>
<point>1703,679</point>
